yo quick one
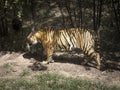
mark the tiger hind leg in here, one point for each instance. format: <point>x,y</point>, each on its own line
<point>49,60</point>
<point>98,61</point>
<point>96,56</point>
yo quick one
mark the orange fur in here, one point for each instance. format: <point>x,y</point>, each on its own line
<point>73,37</point>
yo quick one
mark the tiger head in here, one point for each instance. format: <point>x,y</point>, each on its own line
<point>34,38</point>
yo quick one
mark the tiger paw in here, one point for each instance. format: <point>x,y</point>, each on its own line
<point>45,62</point>
<point>51,61</point>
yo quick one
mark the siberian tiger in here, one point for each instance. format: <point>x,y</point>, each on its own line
<point>65,39</point>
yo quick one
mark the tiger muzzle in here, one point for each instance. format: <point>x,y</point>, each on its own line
<point>28,45</point>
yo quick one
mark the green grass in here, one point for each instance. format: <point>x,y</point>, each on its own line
<point>25,72</point>
<point>51,82</point>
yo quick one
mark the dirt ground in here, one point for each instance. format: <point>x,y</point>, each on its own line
<point>14,65</point>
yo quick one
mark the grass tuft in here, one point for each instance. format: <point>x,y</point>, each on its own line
<point>24,73</point>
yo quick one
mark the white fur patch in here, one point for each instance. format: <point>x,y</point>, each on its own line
<point>35,42</point>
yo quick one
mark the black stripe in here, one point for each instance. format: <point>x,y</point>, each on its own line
<point>66,38</point>
<point>70,35</point>
<point>62,44</point>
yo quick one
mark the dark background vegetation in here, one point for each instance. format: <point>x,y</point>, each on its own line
<point>19,17</point>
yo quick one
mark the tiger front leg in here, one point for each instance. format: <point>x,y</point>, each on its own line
<point>48,51</point>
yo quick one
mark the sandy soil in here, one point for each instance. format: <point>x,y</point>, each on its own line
<point>18,64</point>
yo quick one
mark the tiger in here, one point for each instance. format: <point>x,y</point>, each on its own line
<point>66,39</point>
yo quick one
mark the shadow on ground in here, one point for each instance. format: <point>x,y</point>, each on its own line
<point>110,63</point>
<point>62,58</point>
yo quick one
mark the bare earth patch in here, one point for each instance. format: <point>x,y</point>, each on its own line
<point>14,65</point>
